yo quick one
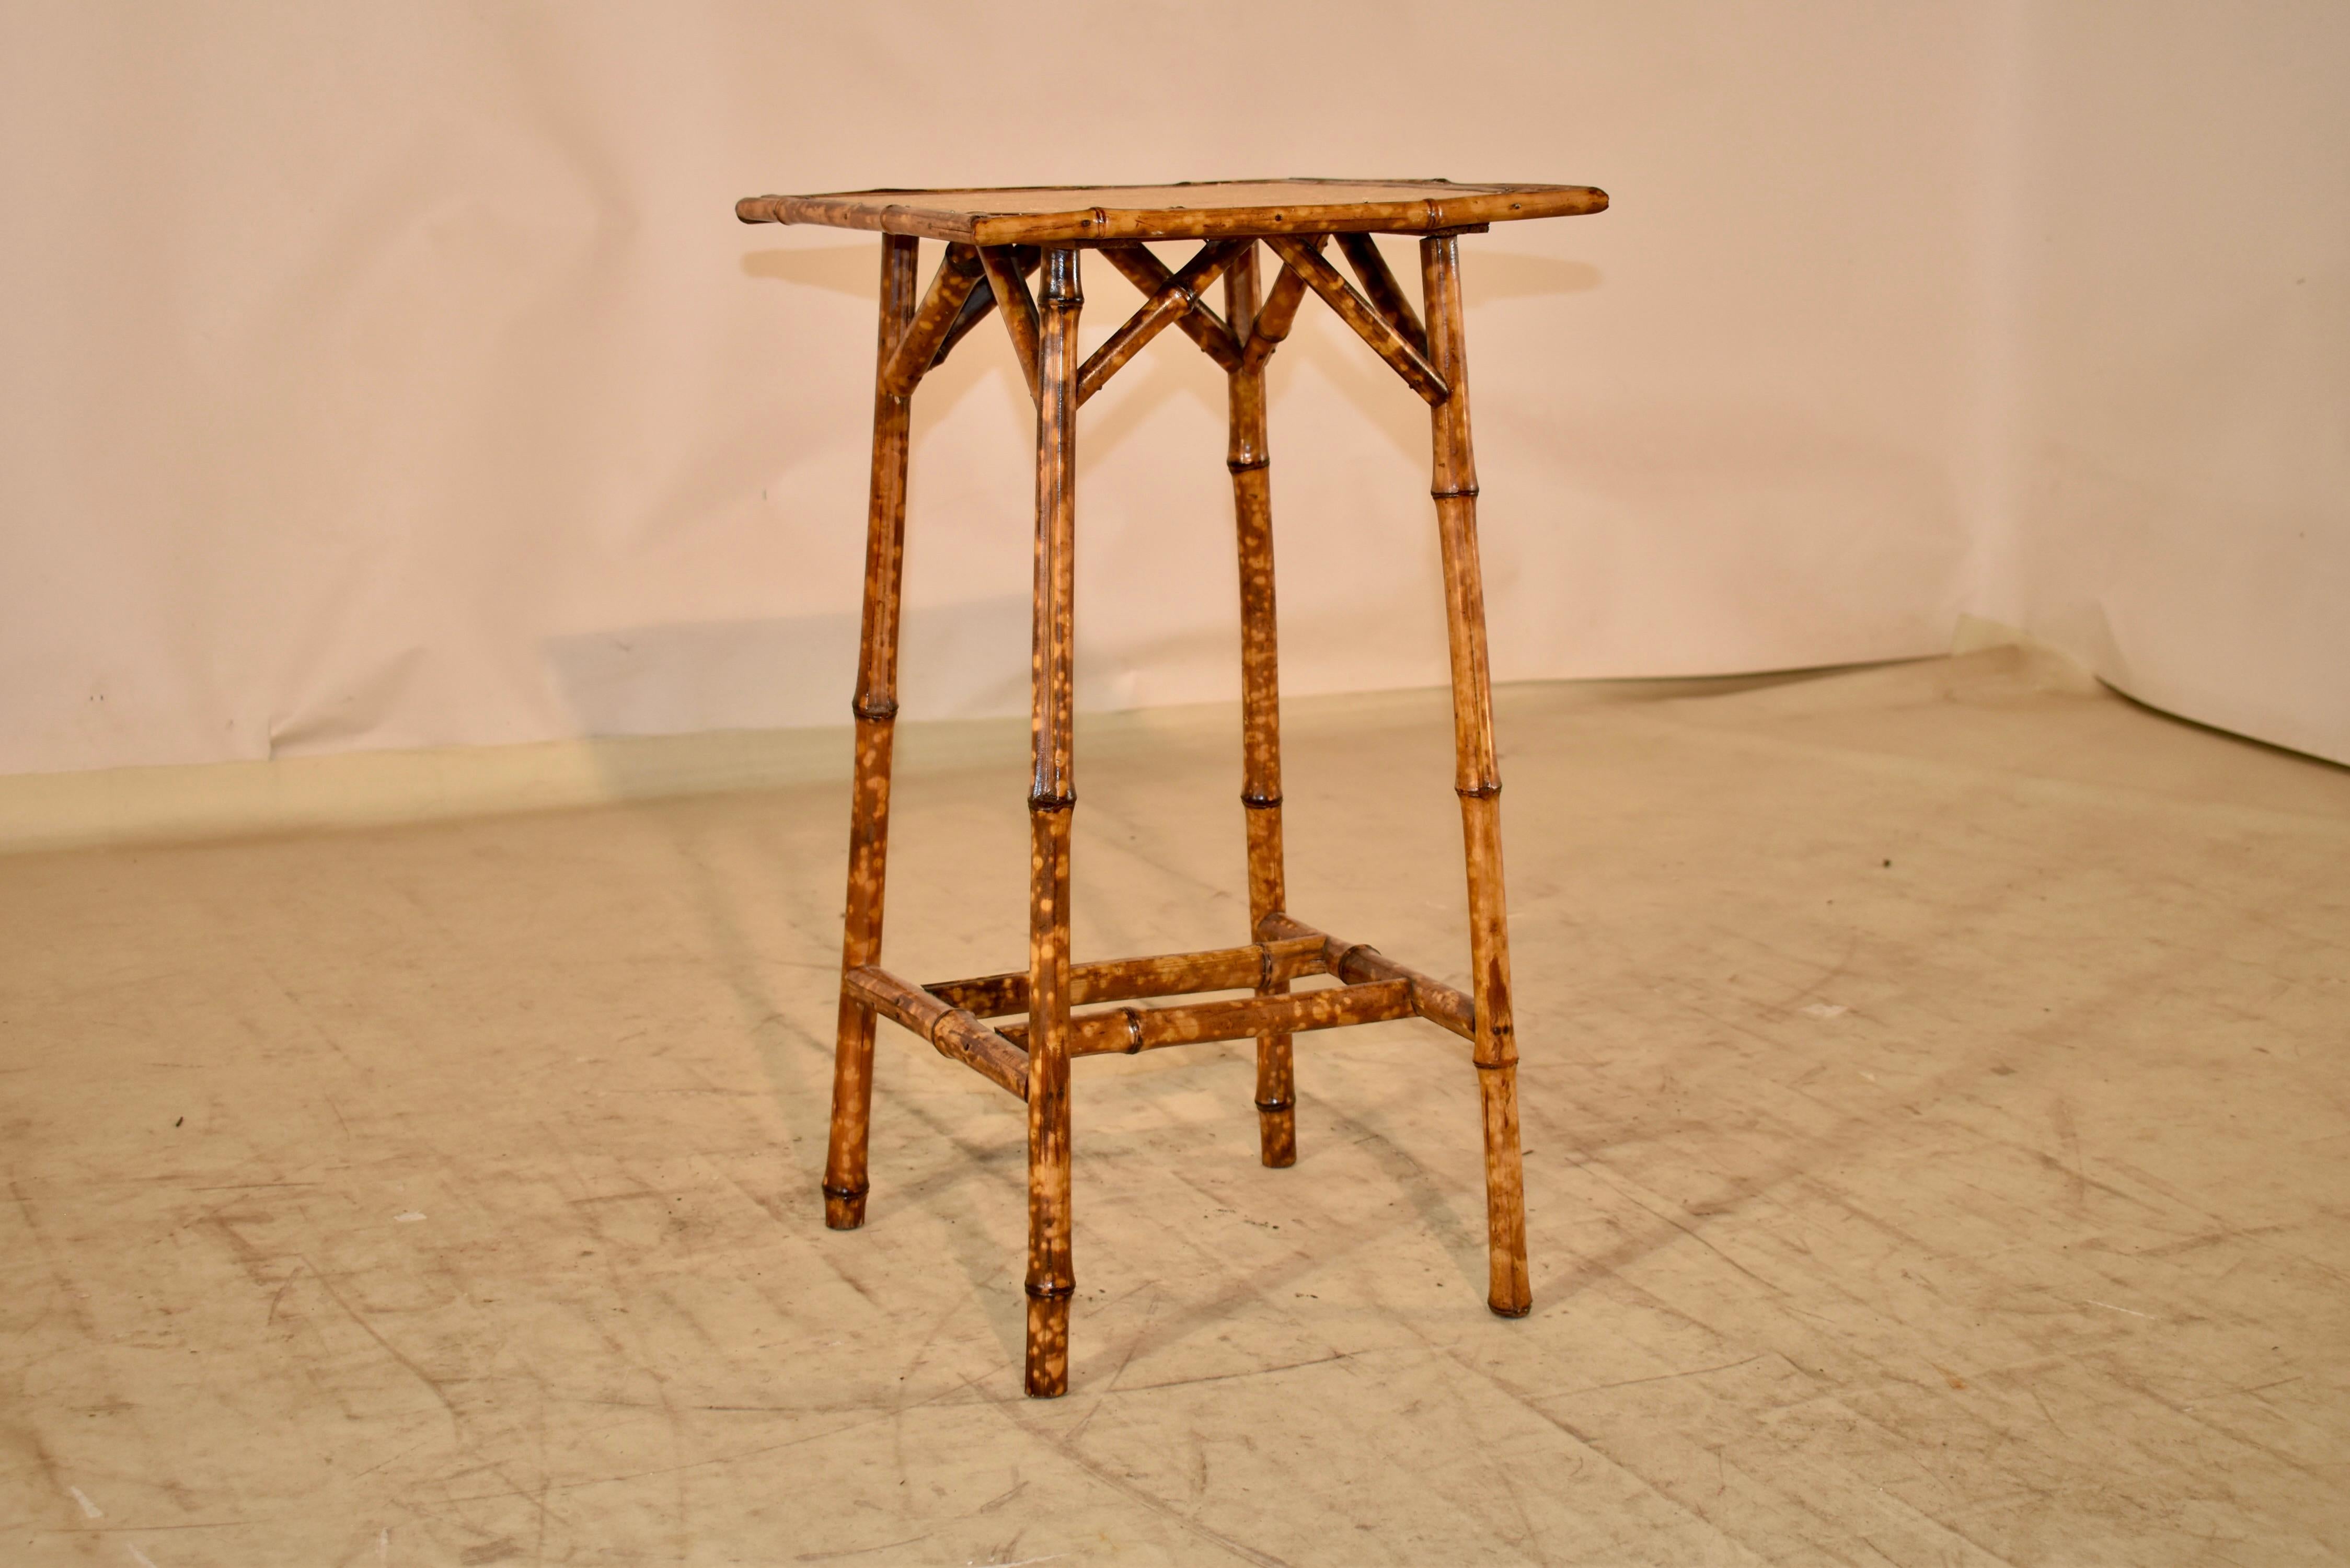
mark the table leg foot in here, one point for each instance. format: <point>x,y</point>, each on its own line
<point>843,1211</point>
<point>1276,1126</point>
<point>1048,1347</point>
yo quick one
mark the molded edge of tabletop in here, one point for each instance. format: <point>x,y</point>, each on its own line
<point>1461,207</point>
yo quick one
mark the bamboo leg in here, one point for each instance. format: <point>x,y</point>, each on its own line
<point>1478,780</point>
<point>1052,802</point>
<point>876,708</point>
<point>1276,1077</point>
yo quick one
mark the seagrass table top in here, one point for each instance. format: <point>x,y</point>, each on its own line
<point>1041,214</point>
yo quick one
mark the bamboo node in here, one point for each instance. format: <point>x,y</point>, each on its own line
<point>1050,1292</point>
<point>1245,465</point>
<point>1270,1106</point>
<point>1339,968</point>
<point>1263,968</point>
<point>1465,492</point>
<point>1043,800</point>
<point>885,708</point>
<point>1489,790</point>
<point>1133,1028</point>
<point>1057,279</point>
<point>1256,802</point>
<point>845,1193</point>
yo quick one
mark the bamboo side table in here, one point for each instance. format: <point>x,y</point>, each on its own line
<point>995,239</point>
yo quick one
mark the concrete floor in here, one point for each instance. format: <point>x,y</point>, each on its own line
<point>1938,1127</point>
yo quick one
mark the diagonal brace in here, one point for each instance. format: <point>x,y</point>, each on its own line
<point>941,313</point>
<point>1007,267</point>
<point>1278,314</point>
<point>1198,322</point>
<point>1175,299</point>
<point>1357,313</point>
<point>1387,295</point>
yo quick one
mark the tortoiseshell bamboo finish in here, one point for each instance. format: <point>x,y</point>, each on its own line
<point>1176,299</point>
<point>1172,974</point>
<point>1046,214</point>
<point>1007,280</point>
<point>1052,805</point>
<point>997,238</point>
<point>1199,323</point>
<point>1357,313</point>
<point>1246,456</point>
<point>925,337</point>
<point>876,710</point>
<point>1387,295</point>
<point>954,1031</point>
<point>1276,315</point>
<point>1477,778</point>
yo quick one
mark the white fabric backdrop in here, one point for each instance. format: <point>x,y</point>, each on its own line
<point>398,375</point>
<point>2177,492</point>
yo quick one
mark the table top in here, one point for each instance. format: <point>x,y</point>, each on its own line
<point>1045,214</point>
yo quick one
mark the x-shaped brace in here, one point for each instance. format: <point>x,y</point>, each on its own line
<point>1172,297</point>
<point>972,279</point>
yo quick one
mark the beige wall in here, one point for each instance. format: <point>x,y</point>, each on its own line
<point>397,376</point>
